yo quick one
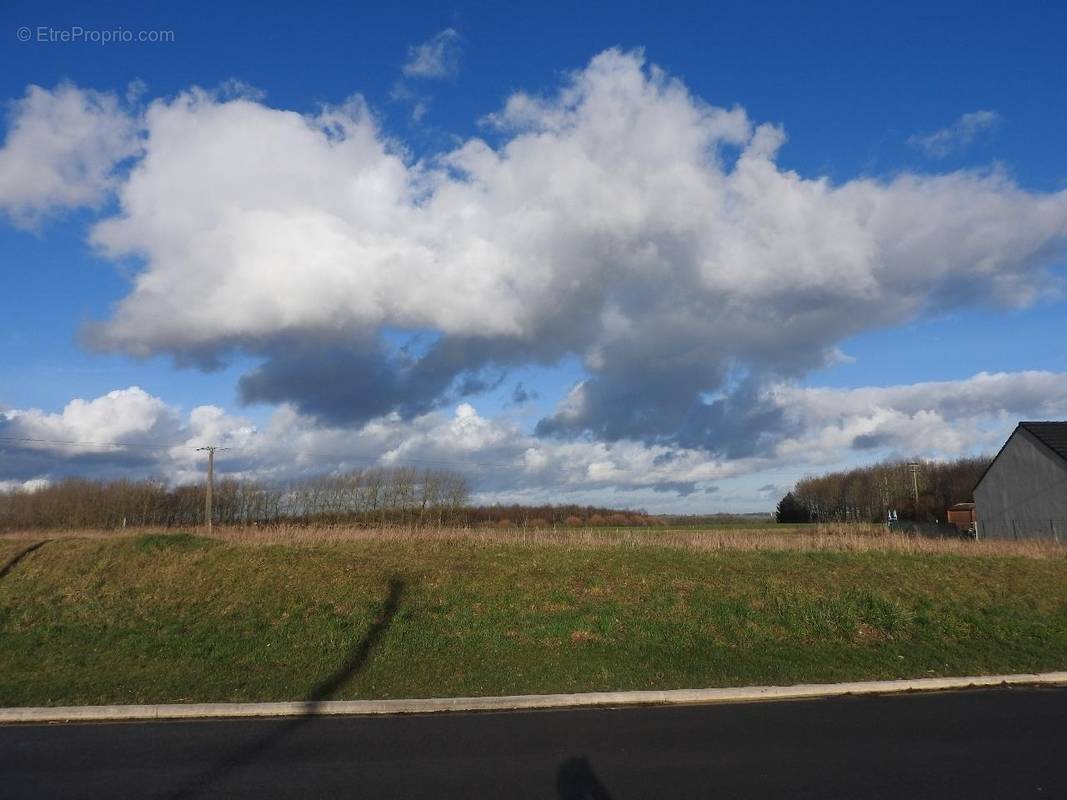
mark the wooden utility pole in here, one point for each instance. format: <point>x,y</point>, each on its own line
<point>914,469</point>
<point>885,499</point>
<point>210,488</point>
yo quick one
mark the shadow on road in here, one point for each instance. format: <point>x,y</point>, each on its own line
<point>575,780</point>
<point>357,659</point>
<point>21,554</point>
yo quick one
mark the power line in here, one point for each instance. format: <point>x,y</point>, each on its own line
<point>345,458</point>
<point>69,443</point>
<point>786,473</point>
<point>412,461</point>
<point>331,456</point>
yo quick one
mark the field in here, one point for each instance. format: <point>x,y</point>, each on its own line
<point>311,613</point>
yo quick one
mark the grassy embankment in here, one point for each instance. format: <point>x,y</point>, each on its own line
<point>271,615</point>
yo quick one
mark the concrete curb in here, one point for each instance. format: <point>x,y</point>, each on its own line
<point>515,702</point>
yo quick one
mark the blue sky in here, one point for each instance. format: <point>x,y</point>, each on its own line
<point>865,94</point>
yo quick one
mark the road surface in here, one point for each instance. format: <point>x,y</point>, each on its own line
<point>991,744</point>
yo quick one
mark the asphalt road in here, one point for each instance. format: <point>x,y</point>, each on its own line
<point>995,744</point>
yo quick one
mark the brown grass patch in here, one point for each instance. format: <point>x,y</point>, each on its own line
<point>582,637</point>
<point>821,538</point>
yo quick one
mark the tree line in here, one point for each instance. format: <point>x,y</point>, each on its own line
<point>557,516</point>
<point>379,496</point>
<point>867,494</point>
<point>401,496</point>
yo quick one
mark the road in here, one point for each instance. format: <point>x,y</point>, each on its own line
<point>994,744</point>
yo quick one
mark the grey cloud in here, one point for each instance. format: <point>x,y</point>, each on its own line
<point>664,459</point>
<point>522,394</point>
<point>347,383</point>
<point>743,423</point>
<point>872,441</point>
<point>351,383</point>
<point>23,461</point>
<point>682,488</point>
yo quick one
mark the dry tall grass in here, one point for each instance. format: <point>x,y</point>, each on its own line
<point>834,538</point>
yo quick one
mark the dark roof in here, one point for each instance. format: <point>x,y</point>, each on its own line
<point>1053,435</point>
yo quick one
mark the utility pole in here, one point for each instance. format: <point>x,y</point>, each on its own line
<point>913,468</point>
<point>208,515</point>
<point>885,499</point>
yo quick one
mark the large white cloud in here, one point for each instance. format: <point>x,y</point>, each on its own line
<point>620,219</point>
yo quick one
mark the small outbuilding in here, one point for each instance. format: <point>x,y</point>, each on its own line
<point>1023,492</point>
<point>962,516</point>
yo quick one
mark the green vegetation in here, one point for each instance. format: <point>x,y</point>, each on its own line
<point>706,521</point>
<point>175,618</point>
<point>917,489</point>
<point>790,510</point>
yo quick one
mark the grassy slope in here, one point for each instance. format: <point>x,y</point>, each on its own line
<point>176,618</point>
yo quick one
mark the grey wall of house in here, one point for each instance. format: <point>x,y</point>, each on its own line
<point>1024,493</point>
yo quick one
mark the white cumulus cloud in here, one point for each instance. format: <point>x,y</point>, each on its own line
<point>124,415</point>
<point>61,150</point>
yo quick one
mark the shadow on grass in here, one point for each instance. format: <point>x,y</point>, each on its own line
<point>352,666</point>
<point>575,780</point>
<point>21,554</point>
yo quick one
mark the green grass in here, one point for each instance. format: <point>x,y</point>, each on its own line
<point>177,618</point>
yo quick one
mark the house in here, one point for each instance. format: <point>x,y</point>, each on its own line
<point>1023,492</point>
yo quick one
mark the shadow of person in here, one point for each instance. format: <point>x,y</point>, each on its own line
<point>352,666</point>
<point>575,780</point>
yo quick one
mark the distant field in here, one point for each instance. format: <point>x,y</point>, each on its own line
<point>294,613</point>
